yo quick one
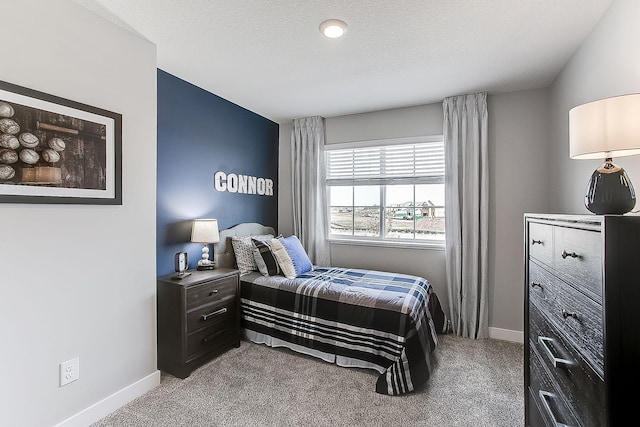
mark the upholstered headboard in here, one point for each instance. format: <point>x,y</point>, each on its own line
<point>223,253</point>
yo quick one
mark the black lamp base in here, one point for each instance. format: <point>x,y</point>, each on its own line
<point>610,191</point>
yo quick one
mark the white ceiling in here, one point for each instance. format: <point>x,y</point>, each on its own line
<point>269,57</point>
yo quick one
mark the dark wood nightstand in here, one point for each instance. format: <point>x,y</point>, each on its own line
<point>198,318</point>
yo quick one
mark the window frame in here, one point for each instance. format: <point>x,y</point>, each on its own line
<point>438,244</point>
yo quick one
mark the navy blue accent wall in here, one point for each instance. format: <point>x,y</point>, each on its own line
<point>200,133</point>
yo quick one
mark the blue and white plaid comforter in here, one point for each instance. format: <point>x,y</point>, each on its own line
<point>385,321</point>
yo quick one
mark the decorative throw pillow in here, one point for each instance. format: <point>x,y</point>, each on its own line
<point>243,250</point>
<point>301,261</point>
<point>283,258</point>
<point>266,262</point>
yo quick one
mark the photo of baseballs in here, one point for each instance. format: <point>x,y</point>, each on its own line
<point>7,172</point>
<point>57,144</point>
<point>8,156</point>
<point>28,140</point>
<point>48,144</point>
<point>29,156</point>
<point>9,141</point>
<point>50,155</point>
<point>9,126</point>
<point>6,110</point>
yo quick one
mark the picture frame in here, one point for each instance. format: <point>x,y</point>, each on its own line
<point>54,150</point>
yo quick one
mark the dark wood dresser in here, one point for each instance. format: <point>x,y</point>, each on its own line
<point>582,320</point>
<point>198,318</point>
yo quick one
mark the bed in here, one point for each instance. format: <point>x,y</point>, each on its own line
<point>369,319</point>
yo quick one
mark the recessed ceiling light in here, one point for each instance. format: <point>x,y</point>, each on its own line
<point>333,28</point>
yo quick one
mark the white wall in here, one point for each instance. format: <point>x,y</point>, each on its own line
<point>518,142</point>
<point>607,64</point>
<point>518,182</point>
<point>79,280</point>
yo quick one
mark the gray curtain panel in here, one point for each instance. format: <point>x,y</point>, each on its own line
<point>309,188</point>
<point>467,207</point>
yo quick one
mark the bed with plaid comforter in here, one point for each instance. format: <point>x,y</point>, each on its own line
<point>361,318</point>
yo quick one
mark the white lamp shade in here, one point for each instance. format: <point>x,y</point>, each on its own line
<point>205,231</point>
<point>606,128</point>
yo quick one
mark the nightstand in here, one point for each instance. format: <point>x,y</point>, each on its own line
<point>198,318</point>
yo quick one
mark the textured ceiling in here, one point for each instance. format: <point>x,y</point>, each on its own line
<point>268,55</point>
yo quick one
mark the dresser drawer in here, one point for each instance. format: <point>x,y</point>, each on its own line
<point>547,395</point>
<point>578,259</point>
<point>583,388</point>
<point>576,316</point>
<point>541,242</point>
<point>211,339</point>
<point>212,291</point>
<point>212,314</point>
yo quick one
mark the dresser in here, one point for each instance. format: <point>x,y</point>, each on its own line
<point>198,318</point>
<point>582,320</point>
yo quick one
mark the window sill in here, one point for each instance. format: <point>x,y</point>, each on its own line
<point>431,245</point>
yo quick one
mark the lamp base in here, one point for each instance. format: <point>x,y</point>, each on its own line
<point>610,191</point>
<point>206,264</point>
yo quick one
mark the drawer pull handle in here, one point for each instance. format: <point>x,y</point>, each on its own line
<point>211,337</point>
<point>557,362</point>
<point>545,397</point>
<point>534,241</point>
<point>534,284</point>
<point>215,313</point>
<point>573,314</point>
<point>569,254</point>
<point>213,292</point>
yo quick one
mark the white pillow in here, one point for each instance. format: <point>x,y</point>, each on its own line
<point>283,258</point>
<point>243,250</point>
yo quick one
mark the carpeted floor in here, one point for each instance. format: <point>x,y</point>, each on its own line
<point>475,383</point>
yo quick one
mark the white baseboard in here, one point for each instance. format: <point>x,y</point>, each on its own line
<point>109,404</point>
<point>506,335</point>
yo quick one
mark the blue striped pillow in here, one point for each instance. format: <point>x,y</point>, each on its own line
<point>301,261</point>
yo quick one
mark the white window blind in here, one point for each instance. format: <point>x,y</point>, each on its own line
<point>416,163</point>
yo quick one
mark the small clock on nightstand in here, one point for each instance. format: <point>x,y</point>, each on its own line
<point>181,264</point>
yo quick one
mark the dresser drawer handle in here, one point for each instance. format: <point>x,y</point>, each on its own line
<point>573,314</point>
<point>215,313</point>
<point>534,284</point>
<point>569,254</point>
<point>545,397</point>
<point>211,337</point>
<point>545,342</point>
<point>213,292</point>
<point>534,241</point>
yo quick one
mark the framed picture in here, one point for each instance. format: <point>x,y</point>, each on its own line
<point>53,150</point>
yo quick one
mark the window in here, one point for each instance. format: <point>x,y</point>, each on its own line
<point>388,190</point>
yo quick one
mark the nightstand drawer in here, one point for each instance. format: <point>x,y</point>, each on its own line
<point>211,339</point>
<point>212,314</point>
<point>580,384</point>
<point>575,315</point>
<point>578,259</point>
<point>541,242</point>
<point>212,291</point>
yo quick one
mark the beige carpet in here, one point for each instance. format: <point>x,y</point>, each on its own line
<point>475,383</point>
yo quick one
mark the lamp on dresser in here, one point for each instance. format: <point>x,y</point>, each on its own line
<point>205,231</point>
<point>605,129</point>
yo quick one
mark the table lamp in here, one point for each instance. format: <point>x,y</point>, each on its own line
<point>205,231</point>
<point>605,129</point>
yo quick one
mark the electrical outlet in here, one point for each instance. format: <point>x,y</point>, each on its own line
<point>69,371</point>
